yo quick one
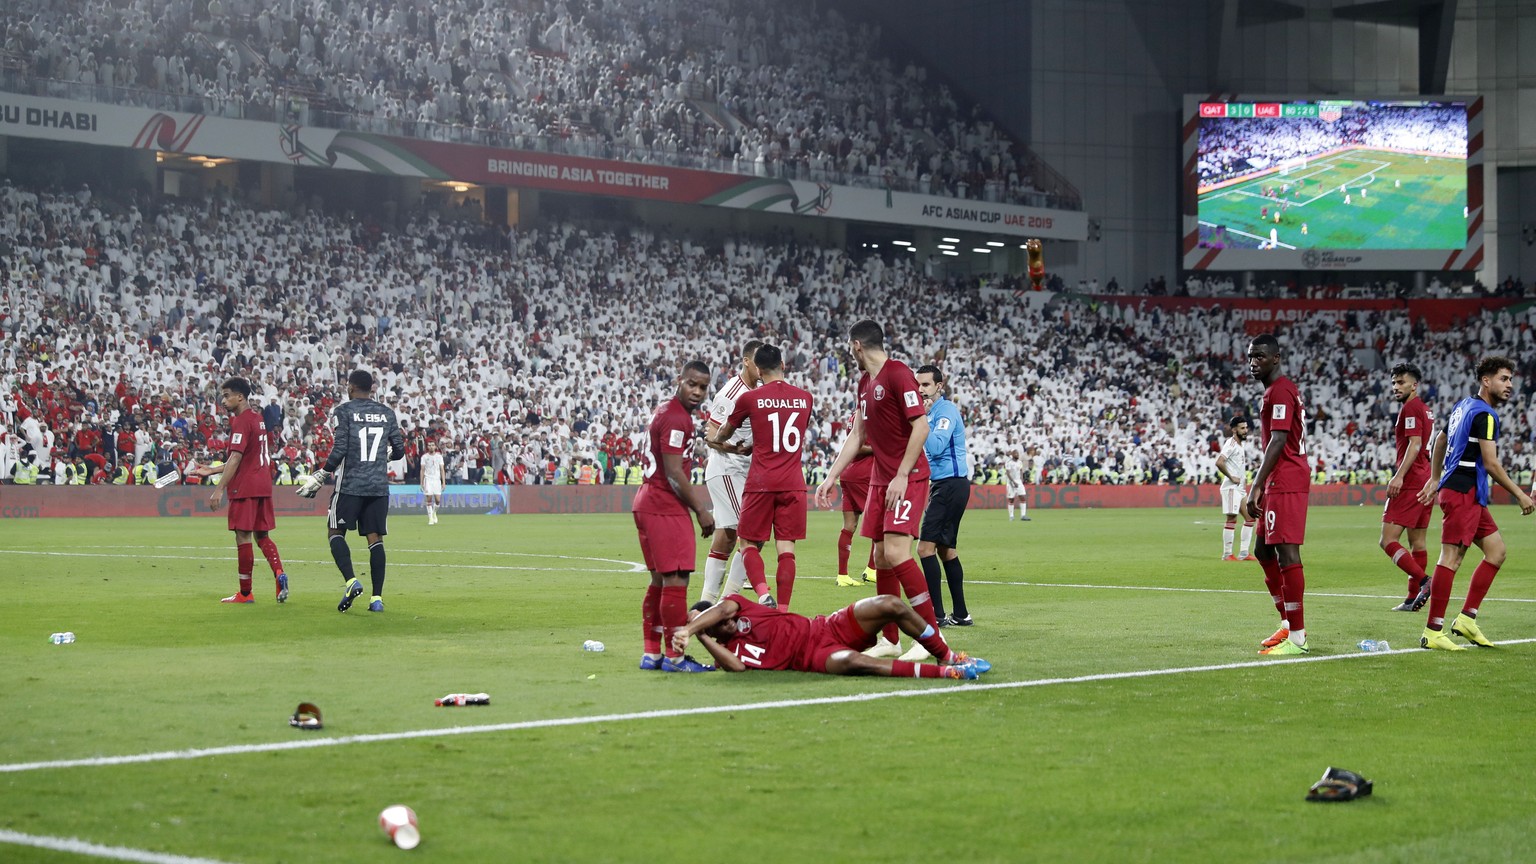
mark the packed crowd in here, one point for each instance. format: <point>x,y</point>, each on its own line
<point>540,357</point>
<point>789,90</point>
<point>1230,147</point>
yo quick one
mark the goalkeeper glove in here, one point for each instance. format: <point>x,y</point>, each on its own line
<point>313,484</point>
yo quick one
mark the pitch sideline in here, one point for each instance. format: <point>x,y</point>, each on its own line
<point>554,722</point>
<point>95,850</point>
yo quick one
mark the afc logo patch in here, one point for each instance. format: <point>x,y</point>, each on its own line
<point>675,438</point>
<point>910,398</point>
<point>236,439</point>
<point>879,392</point>
<point>1279,412</point>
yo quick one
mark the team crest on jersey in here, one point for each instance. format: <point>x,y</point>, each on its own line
<point>743,625</point>
<point>879,392</point>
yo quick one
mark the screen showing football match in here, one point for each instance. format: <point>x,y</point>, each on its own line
<point>1332,175</point>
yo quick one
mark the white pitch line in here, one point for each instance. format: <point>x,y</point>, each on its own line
<point>1211,590</point>
<point>397,549</point>
<point>406,564</point>
<point>81,847</point>
<point>554,722</point>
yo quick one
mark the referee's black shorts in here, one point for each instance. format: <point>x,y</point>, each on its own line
<point>946,507</point>
<point>365,514</point>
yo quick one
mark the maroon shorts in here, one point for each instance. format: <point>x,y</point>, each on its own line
<point>667,541</point>
<point>854,494</point>
<point>839,631</point>
<point>905,518</point>
<point>1405,509</point>
<point>781,512</point>
<point>1463,520</point>
<point>251,514</point>
<point>1285,518</point>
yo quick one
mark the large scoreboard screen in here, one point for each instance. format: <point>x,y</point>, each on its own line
<point>1332,183</point>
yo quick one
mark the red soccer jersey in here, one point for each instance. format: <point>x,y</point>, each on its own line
<point>1414,421</point>
<point>779,413</point>
<point>671,431</point>
<point>248,437</point>
<point>768,638</point>
<point>1281,410</point>
<point>889,403</point>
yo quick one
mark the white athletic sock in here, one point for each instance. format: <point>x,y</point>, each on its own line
<point>1227,533</point>
<point>714,574</point>
<point>1247,538</point>
<point>1010,509</point>
<point>1023,508</point>
<point>738,575</point>
<point>1299,636</point>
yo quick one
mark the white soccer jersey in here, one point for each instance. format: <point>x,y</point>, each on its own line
<point>432,470</point>
<point>720,409</point>
<point>1014,470</point>
<point>1237,462</point>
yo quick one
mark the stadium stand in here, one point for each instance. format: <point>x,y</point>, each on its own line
<point>789,90</point>
<point>121,317</point>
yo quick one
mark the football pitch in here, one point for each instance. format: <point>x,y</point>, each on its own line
<point>1396,201</point>
<point>1128,717</point>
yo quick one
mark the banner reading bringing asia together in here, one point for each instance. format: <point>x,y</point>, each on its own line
<point>1266,316</point>
<point>197,134</point>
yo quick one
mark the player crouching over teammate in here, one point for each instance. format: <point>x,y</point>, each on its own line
<point>1462,471</point>
<point>743,635</point>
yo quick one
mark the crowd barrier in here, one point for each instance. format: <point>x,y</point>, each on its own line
<point>41,502</point>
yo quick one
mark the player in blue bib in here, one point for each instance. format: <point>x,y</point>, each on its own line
<point>1465,465</point>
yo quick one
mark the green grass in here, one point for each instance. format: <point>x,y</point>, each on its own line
<point>1411,202</point>
<point>1191,766</point>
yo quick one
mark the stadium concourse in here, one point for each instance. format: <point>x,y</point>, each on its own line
<point>789,90</point>
<point>527,356</point>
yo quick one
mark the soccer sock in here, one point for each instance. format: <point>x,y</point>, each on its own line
<point>269,550</point>
<point>1273,581</point>
<point>757,571</point>
<point>343,555</point>
<point>954,574</point>
<point>245,560</point>
<point>1408,564</point>
<point>737,577</point>
<point>1247,538</point>
<point>650,619</point>
<point>1422,556</point>
<point>844,550</point>
<point>784,579</point>
<point>933,576</point>
<point>931,640</point>
<point>871,564</point>
<point>431,511</point>
<point>1023,508</point>
<point>1439,596</point>
<point>1228,534</point>
<point>376,566</point>
<point>1010,510</point>
<point>916,588</point>
<point>904,669</point>
<point>1482,580</point>
<point>1294,588</point>
<point>714,575</point>
<point>674,615</point>
<point>887,583</point>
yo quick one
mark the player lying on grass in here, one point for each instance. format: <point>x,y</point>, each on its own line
<point>743,635</point>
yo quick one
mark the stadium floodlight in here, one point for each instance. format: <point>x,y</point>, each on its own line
<point>945,246</point>
<point>982,249</point>
<point>995,243</point>
<point>950,252</point>
<point>901,242</point>
<point>951,239</point>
